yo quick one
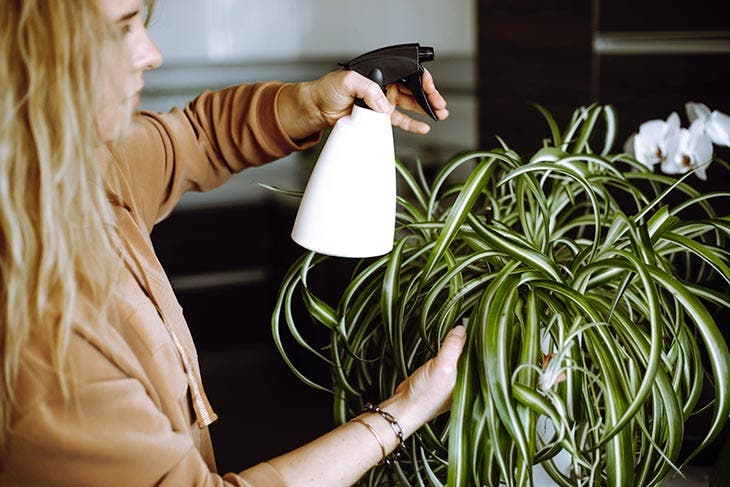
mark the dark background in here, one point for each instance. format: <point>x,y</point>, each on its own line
<point>541,51</point>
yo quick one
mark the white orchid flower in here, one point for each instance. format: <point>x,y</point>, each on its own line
<point>715,124</point>
<point>694,150</point>
<point>656,141</point>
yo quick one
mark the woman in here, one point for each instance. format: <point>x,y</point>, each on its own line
<point>100,382</point>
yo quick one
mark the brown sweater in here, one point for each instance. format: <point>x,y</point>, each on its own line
<point>139,414</point>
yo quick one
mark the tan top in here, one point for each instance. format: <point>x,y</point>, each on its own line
<point>140,414</point>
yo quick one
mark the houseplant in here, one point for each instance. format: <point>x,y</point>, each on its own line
<point>585,283</point>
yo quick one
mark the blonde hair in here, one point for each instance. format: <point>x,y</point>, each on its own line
<point>56,224</point>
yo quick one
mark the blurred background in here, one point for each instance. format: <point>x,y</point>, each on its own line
<point>226,251</point>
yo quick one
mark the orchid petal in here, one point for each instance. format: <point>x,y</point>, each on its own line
<point>696,111</point>
<point>674,164</point>
<point>701,172</point>
<point>694,151</point>
<point>718,128</point>
<point>629,145</point>
<point>679,162</point>
<point>657,141</point>
<point>653,129</point>
<point>673,121</point>
<point>645,149</point>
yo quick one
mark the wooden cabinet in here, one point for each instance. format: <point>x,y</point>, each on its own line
<point>530,52</point>
<point>646,58</point>
<point>661,15</point>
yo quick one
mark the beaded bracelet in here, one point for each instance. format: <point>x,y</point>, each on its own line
<point>395,426</point>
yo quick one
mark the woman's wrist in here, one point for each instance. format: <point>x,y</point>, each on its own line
<point>408,416</point>
<point>298,111</point>
<point>385,428</point>
<point>390,423</point>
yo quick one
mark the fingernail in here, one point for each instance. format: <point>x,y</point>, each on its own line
<point>458,331</point>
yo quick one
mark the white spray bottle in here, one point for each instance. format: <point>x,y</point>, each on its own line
<point>348,206</point>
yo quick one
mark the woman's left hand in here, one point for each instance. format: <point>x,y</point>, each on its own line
<point>326,100</point>
<point>427,392</point>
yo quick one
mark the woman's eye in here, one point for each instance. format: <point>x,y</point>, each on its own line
<point>126,28</point>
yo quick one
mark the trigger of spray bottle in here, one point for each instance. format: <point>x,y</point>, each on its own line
<point>348,207</point>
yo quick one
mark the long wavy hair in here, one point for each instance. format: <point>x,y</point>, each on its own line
<point>56,222</point>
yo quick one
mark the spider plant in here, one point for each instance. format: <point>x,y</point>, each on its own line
<point>589,286</point>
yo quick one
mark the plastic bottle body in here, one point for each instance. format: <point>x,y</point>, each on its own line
<point>348,207</point>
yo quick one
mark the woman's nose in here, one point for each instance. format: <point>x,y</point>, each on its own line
<point>148,56</point>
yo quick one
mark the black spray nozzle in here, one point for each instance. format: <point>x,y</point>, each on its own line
<point>425,54</point>
<point>400,63</point>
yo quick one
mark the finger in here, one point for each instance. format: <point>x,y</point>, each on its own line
<point>452,347</point>
<point>405,99</point>
<point>409,103</point>
<point>427,81</point>
<point>361,87</point>
<point>409,124</point>
<point>429,88</point>
<point>402,120</point>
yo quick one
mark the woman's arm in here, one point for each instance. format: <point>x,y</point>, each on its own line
<point>342,456</point>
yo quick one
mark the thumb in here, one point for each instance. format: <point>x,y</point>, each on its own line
<point>451,347</point>
<point>453,343</point>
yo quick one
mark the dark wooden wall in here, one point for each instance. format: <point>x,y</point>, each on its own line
<point>530,51</point>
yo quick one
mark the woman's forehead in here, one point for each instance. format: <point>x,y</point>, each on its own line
<point>117,10</point>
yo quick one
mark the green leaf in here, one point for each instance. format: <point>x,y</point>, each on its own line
<point>717,351</point>
<point>554,130</point>
<point>459,212</point>
<point>462,400</point>
<point>287,192</point>
<point>496,329</point>
<point>529,257</point>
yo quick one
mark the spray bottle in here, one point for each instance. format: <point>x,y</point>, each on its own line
<point>348,206</point>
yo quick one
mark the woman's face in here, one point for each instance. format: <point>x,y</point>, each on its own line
<point>127,55</point>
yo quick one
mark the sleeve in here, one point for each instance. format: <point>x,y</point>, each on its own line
<point>199,147</point>
<point>110,434</point>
